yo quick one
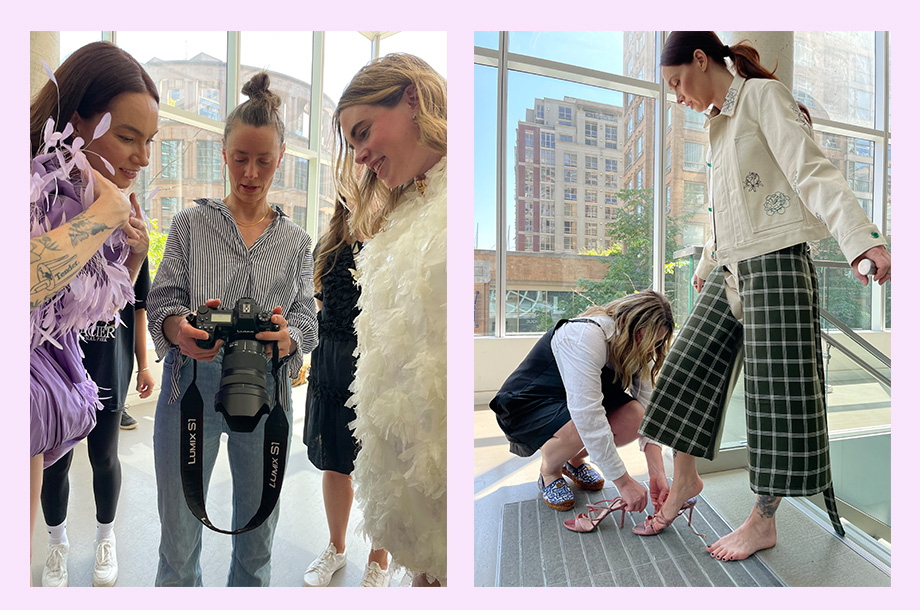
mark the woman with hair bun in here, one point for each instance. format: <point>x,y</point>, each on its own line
<point>218,252</point>
<point>772,190</point>
<point>391,166</point>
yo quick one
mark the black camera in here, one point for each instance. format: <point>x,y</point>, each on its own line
<point>242,397</point>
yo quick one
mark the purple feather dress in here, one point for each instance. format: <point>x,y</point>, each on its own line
<point>63,398</point>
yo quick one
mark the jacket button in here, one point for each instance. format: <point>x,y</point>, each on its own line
<point>875,234</point>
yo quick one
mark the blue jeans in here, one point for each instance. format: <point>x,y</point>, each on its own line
<point>180,531</point>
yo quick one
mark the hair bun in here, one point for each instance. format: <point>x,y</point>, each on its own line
<point>257,90</point>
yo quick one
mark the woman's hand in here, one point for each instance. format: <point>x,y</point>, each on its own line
<point>282,335</point>
<point>882,259</point>
<point>632,492</point>
<point>178,330</point>
<point>138,239</point>
<point>145,383</point>
<point>697,283</point>
<point>113,208</point>
<point>658,489</point>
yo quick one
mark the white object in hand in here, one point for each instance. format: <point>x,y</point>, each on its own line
<point>866,267</point>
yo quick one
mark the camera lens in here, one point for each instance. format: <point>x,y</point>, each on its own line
<point>242,396</point>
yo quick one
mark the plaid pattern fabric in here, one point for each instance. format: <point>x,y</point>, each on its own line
<point>784,377</point>
<point>696,380</point>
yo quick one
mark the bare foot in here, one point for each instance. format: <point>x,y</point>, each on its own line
<point>758,532</point>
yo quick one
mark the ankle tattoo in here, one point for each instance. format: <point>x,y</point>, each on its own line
<point>767,505</point>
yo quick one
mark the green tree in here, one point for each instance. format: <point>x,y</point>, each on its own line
<point>157,245</point>
<point>629,267</point>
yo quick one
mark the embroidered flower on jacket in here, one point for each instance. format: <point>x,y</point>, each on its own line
<point>800,116</point>
<point>776,203</point>
<point>752,182</point>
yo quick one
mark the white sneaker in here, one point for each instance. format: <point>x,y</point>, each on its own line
<point>375,576</point>
<point>323,567</point>
<point>54,574</point>
<point>105,570</point>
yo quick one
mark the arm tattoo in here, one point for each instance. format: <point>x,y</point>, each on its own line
<point>767,505</point>
<point>83,228</point>
<point>38,245</point>
<point>52,276</point>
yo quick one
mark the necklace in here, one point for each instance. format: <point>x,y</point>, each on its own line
<point>239,224</point>
<point>420,185</point>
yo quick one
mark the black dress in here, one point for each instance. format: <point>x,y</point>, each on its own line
<point>329,440</point>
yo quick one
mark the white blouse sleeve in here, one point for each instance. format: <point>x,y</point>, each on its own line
<point>642,392</point>
<point>580,350</point>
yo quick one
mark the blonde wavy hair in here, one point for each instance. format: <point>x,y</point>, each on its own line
<point>639,318</point>
<point>382,82</point>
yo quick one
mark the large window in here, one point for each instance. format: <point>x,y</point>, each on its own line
<point>198,85</point>
<point>598,111</point>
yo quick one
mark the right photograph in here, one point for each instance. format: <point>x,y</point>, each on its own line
<point>682,309</point>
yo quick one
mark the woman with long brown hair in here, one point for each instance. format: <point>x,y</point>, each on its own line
<point>88,244</point>
<point>772,190</point>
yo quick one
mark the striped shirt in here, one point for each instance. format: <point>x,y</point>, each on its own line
<point>206,258</point>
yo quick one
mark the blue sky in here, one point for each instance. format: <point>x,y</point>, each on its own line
<point>595,50</point>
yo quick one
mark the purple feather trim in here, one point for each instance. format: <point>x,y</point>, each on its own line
<point>103,286</point>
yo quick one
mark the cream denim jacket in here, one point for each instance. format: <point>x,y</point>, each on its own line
<point>770,186</point>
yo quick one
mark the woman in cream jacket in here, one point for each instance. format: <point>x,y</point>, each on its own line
<point>771,190</point>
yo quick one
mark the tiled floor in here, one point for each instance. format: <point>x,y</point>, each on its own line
<point>301,534</point>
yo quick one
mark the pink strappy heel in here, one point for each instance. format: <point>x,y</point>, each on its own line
<point>597,512</point>
<point>658,523</point>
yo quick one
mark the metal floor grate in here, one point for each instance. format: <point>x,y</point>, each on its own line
<point>536,550</point>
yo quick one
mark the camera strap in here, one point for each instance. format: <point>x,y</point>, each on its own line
<point>274,453</point>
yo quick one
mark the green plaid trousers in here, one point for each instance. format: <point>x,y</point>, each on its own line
<point>780,343</point>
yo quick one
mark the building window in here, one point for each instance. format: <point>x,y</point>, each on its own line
<point>570,159</point>
<point>563,137</point>
<point>547,191</point>
<point>568,242</point>
<point>571,175</point>
<point>590,162</point>
<point>208,160</point>
<point>591,212</point>
<point>628,159</point>
<point>539,113</point>
<point>569,227</point>
<point>669,159</point>
<point>209,99</point>
<point>610,136</point>
<point>591,178</point>
<point>590,196</point>
<point>591,134</point>
<point>610,198</point>
<point>301,174</point>
<point>694,120</point>
<point>694,196</point>
<point>859,176</point>
<point>547,139</point>
<point>571,193</point>
<point>547,174</point>
<point>546,243</point>
<point>694,159</point>
<point>547,209</point>
<point>591,228</point>
<point>639,147</point>
<point>568,209</point>
<point>565,115</point>
<point>610,165</point>
<point>171,159</point>
<point>169,206</point>
<point>547,156</point>
<point>547,225</point>
<point>639,179</point>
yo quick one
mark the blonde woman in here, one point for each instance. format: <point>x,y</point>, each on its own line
<point>391,123</point>
<point>581,392</point>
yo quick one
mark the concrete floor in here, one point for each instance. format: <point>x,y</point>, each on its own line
<point>301,534</point>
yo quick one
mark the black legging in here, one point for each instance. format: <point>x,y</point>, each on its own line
<point>102,444</point>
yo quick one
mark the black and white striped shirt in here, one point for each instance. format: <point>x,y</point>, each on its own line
<point>206,258</point>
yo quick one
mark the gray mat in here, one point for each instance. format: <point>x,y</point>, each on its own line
<point>536,550</point>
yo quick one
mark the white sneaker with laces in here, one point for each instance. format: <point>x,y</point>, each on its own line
<point>323,567</point>
<point>375,576</point>
<point>54,574</point>
<point>105,569</point>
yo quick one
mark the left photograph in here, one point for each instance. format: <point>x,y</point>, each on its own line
<point>238,246</point>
